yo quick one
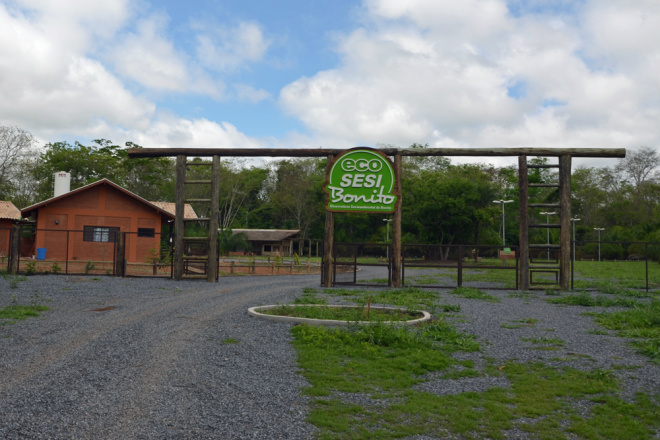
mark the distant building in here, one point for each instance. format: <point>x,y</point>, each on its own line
<point>271,242</point>
<point>9,214</point>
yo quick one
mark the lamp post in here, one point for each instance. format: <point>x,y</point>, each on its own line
<point>387,241</point>
<point>573,220</point>
<point>599,229</point>
<point>502,202</point>
<point>547,222</point>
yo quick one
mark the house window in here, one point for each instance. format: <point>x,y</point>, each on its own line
<point>100,233</point>
<point>146,232</point>
<point>266,248</point>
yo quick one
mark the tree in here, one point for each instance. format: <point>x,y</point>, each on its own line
<point>295,189</point>
<point>451,206</point>
<point>639,166</point>
<point>15,145</point>
<point>152,178</point>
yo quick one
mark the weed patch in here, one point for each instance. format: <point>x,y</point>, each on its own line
<point>473,293</point>
<point>522,322</point>
<point>587,300</point>
<point>309,298</point>
<point>642,323</point>
<point>16,312</point>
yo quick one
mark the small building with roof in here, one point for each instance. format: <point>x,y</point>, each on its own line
<point>9,215</point>
<point>84,224</point>
<point>270,242</point>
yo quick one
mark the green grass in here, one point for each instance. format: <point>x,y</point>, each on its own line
<point>473,293</point>
<point>343,313</point>
<point>641,323</point>
<point>375,281</point>
<point>384,363</point>
<point>16,312</point>
<point>413,298</point>
<point>309,298</point>
<point>505,277</point>
<point>229,341</point>
<point>587,300</point>
<point>617,274</point>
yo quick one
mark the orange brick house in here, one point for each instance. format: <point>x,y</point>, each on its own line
<point>9,214</point>
<point>82,224</point>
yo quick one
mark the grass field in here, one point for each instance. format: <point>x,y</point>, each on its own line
<point>364,381</point>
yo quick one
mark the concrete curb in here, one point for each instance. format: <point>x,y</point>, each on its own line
<point>253,311</point>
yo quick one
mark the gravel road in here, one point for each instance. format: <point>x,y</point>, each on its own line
<point>148,358</point>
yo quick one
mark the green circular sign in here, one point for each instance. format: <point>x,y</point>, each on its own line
<point>361,180</point>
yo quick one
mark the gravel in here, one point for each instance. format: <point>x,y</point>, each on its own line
<point>154,358</point>
<point>158,362</point>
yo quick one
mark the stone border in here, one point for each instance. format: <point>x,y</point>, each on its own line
<point>252,311</point>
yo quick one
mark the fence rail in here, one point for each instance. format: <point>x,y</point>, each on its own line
<point>595,264</point>
<point>68,252</point>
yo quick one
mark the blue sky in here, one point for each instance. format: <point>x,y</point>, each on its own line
<point>205,73</point>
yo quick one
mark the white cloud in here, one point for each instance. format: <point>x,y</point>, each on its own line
<point>222,48</point>
<point>439,71</point>
<point>171,131</point>
<point>150,58</point>
<point>51,85</point>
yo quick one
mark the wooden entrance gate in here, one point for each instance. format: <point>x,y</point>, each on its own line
<point>564,156</point>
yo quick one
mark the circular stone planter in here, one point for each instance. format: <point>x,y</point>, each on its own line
<point>254,311</point>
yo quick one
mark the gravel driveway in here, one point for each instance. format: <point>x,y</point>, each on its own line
<point>154,362</point>
<point>152,358</point>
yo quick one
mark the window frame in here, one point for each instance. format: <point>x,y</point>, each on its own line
<point>100,234</point>
<point>146,232</point>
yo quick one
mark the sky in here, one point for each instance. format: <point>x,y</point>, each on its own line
<point>333,74</point>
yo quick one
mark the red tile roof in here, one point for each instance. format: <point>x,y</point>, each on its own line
<point>188,211</point>
<point>9,211</point>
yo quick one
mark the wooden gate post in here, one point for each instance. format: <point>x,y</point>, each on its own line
<point>523,234</point>
<point>565,222</point>
<point>212,266</point>
<point>179,226</point>
<point>396,227</point>
<point>328,240</point>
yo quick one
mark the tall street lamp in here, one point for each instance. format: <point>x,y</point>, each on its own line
<point>599,229</point>
<point>573,220</point>
<point>502,202</point>
<point>547,222</point>
<point>387,241</point>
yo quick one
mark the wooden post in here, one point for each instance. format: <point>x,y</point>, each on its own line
<point>328,240</point>
<point>15,252</point>
<point>459,272</point>
<point>523,234</point>
<point>396,227</point>
<point>179,225</point>
<point>212,267</point>
<point>565,222</point>
<point>121,255</point>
